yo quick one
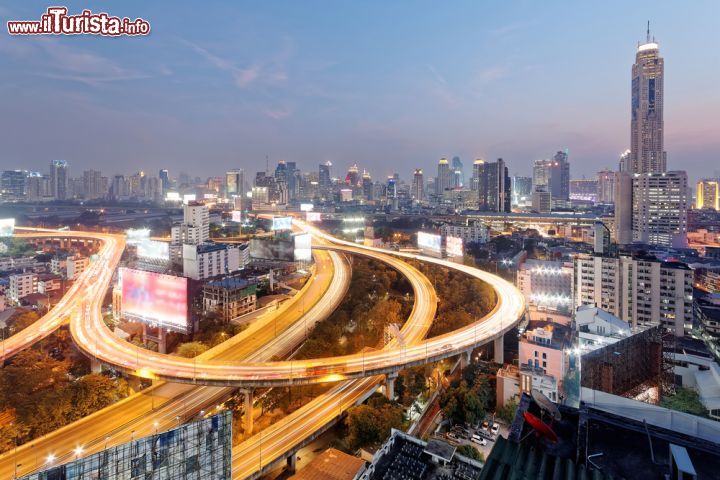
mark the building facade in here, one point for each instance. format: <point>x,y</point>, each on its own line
<point>659,208</point>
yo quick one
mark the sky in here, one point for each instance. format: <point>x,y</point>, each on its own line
<point>391,86</point>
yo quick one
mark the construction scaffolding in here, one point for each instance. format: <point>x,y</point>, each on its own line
<point>639,366</point>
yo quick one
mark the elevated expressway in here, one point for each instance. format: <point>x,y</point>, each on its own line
<point>164,405</point>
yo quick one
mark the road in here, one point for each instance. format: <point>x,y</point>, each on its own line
<point>273,334</point>
<point>59,314</point>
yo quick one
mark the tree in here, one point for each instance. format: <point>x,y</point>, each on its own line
<point>94,392</point>
<point>506,413</point>
<point>372,423</point>
<point>191,349</point>
<point>24,319</point>
<point>685,400</point>
<point>470,452</point>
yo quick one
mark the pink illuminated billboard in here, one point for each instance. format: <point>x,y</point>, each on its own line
<point>155,298</point>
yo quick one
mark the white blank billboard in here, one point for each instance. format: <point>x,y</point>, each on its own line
<point>7,227</point>
<point>454,246</point>
<point>154,250</point>
<point>303,247</point>
<point>282,223</point>
<point>429,241</point>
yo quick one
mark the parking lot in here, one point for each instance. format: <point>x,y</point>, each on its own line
<point>463,435</point>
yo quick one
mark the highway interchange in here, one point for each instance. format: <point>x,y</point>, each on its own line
<point>242,363</point>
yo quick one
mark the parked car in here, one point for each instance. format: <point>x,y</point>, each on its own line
<point>495,429</point>
<point>479,440</point>
<point>485,425</point>
<point>452,436</point>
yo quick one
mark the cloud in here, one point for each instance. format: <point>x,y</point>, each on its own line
<point>277,114</point>
<point>492,73</point>
<point>244,77</point>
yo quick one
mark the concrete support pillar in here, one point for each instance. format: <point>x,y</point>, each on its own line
<point>144,335</point>
<point>390,385</point>
<point>292,463</point>
<point>248,401</point>
<point>465,358</point>
<point>162,340</point>
<point>95,366</point>
<point>499,349</point>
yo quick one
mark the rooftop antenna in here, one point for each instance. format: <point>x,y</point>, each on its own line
<point>648,32</point>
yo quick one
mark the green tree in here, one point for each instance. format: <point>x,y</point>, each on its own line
<point>685,400</point>
<point>368,424</point>
<point>506,413</point>
<point>470,452</point>
<point>191,349</point>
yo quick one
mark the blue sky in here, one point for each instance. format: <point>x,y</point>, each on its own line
<point>389,85</point>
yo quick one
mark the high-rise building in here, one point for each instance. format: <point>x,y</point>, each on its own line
<point>606,186</point>
<point>641,290</point>
<point>165,180</point>
<point>647,154</point>
<point>13,185</point>
<point>417,193</point>
<point>444,177</point>
<point>521,191</point>
<point>92,185</point>
<point>584,189</point>
<point>623,207</point>
<point>195,228</point>
<point>708,194</point>
<point>37,187</point>
<point>235,183</point>
<point>458,177</point>
<point>493,187</point>
<point>120,190</point>
<point>553,176</point>
<point>367,186</point>
<point>353,176</point>
<point>659,208</point>
<point>324,179</point>
<point>59,179</point>
<point>477,164</point>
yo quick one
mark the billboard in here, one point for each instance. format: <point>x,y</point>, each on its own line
<point>313,216</point>
<point>306,207</point>
<point>272,249</point>
<point>154,250</point>
<point>155,298</point>
<point>303,247</point>
<point>429,242</point>
<point>7,227</point>
<point>172,197</point>
<point>237,216</point>
<point>197,450</point>
<point>135,236</point>
<point>281,223</point>
<point>454,246</point>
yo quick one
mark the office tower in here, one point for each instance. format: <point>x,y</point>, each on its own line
<point>367,186</point>
<point>235,183</point>
<point>293,180</point>
<point>647,154</point>
<point>353,176</point>
<point>417,192</point>
<point>281,172</point>
<point>76,187</point>
<point>324,179</point>
<point>92,185</point>
<point>623,207</point>
<point>625,165</point>
<point>195,228</point>
<point>458,177</point>
<point>606,186</point>
<point>708,194</point>
<point>444,177</point>
<point>153,189</point>
<point>541,201</point>
<point>493,187</point>
<point>58,179</point>
<point>13,185</point>
<point>477,164</point>
<point>120,188</point>
<point>165,180</point>
<point>37,187</point>
<point>584,189</point>
<point>659,208</point>
<point>521,191</point>
<point>553,176</point>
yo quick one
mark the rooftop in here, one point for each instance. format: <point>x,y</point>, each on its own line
<point>331,464</point>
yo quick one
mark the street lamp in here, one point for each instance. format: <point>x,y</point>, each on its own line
<point>50,459</point>
<point>78,451</point>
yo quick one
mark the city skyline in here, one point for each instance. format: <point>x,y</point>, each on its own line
<point>299,99</point>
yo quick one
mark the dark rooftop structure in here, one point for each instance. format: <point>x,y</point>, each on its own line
<point>607,437</point>
<point>404,457</point>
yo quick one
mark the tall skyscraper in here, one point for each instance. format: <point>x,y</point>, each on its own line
<point>559,181</point>
<point>13,185</point>
<point>707,194</point>
<point>458,176</point>
<point>92,185</point>
<point>367,186</point>
<point>493,187</point>
<point>477,165</point>
<point>165,180</point>
<point>647,154</point>
<point>353,176</point>
<point>521,191</point>
<point>324,179</point>
<point>606,186</point>
<point>59,179</point>
<point>444,177</point>
<point>417,191</point>
<point>235,183</point>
